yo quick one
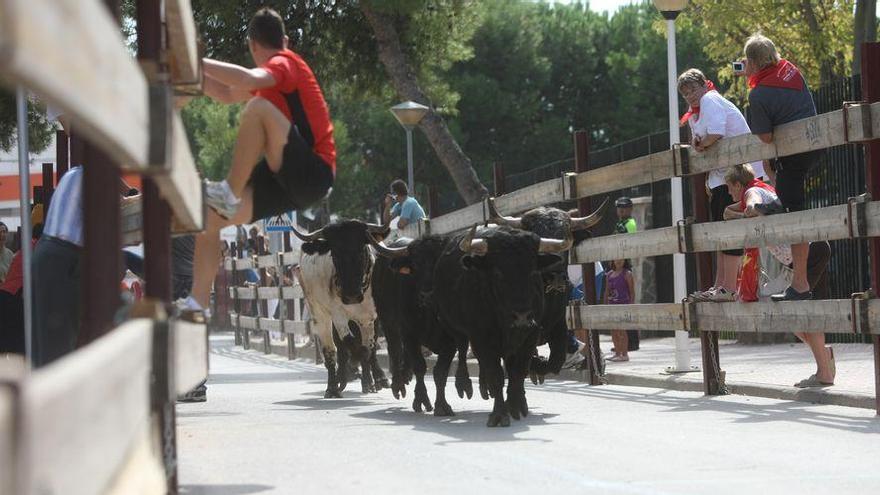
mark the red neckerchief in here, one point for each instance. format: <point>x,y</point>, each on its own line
<point>710,86</point>
<point>782,75</point>
<point>751,184</point>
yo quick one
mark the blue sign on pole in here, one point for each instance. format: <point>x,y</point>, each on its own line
<point>280,223</point>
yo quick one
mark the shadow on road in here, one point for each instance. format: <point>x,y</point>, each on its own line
<point>790,411</point>
<point>321,404</point>
<point>223,489</point>
<point>227,378</point>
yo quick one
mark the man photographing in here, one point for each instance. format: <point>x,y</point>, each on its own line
<point>404,206</point>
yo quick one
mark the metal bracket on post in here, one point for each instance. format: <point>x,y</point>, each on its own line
<point>867,130</point>
<point>161,127</point>
<point>569,186</point>
<point>685,235</point>
<point>859,316</point>
<point>681,160</point>
<point>856,212</point>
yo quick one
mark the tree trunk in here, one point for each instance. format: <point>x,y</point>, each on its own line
<point>864,30</point>
<point>818,45</point>
<point>433,126</point>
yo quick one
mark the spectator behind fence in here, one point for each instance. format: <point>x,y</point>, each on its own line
<point>5,253</point>
<point>626,224</point>
<point>779,94</point>
<point>758,201</point>
<point>711,118</point>
<point>619,289</point>
<point>12,338</point>
<point>405,206</point>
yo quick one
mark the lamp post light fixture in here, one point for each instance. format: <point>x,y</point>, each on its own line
<point>670,10</point>
<point>409,114</point>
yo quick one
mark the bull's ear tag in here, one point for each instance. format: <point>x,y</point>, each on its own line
<point>404,270</point>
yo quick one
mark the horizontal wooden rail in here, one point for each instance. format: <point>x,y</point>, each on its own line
<point>810,134</point>
<point>294,327</point>
<point>826,316</point>
<point>183,57</point>
<point>288,293</point>
<point>830,223</point>
<point>265,261</point>
<point>190,354</point>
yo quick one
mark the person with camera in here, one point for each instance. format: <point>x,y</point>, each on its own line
<point>399,203</point>
<point>779,94</point>
<point>712,117</point>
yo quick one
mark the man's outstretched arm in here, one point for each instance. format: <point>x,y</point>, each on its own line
<point>223,93</point>
<point>237,76</point>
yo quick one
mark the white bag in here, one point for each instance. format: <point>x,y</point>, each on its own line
<point>774,278</point>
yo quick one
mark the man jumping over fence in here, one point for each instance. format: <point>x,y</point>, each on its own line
<point>284,157</point>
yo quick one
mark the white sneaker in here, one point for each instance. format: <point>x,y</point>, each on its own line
<point>220,198</point>
<point>190,305</point>
<point>720,294</point>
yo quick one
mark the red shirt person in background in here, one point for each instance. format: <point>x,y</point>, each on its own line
<point>284,157</point>
<point>11,303</point>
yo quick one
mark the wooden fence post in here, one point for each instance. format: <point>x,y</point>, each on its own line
<point>234,254</point>
<point>498,176</point>
<point>594,354</point>
<point>712,380</point>
<point>48,185</point>
<point>871,93</point>
<point>62,155</point>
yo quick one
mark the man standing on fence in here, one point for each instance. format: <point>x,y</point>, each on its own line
<point>284,157</point>
<point>780,95</point>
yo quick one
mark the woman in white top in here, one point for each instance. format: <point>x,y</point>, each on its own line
<point>712,117</point>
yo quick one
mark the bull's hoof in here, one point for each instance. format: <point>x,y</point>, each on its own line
<point>442,408</point>
<point>368,388</point>
<point>518,406</point>
<point>464,387</point>
<point>498,419</point>
<point>422,400</point>
<point>484,390</point>
<point>398,389</point>
<point>537,378</point>
<point>382,383</point>
<point>331,393</point>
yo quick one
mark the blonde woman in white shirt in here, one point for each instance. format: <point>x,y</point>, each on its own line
<point>711,118</point>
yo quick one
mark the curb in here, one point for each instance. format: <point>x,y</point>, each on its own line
<point>667,382</point>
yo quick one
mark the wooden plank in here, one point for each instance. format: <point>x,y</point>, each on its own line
<point>242,264</point>
<point>267,293</point>
<point>267,261</point>
<point>181,185</point>
<point>291,257</point>
<point>86,410</point>
<point>461,219</point>
<point>294,292</point>
<point>183,50</point>
<point>190,354</point>
<point>629,316</point>
<point>813,133</point>
<point>248,322</point>
<point>540,194</point>
<point>828,316</point>
<point>72,54</point>
<point>9,444</point>
<point>243,293</point>
<point>142,472</point>
<point>830,223</point>
<point>296,327</point>
<point>270,324</point>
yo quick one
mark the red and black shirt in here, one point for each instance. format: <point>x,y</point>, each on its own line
<point>299,97</point>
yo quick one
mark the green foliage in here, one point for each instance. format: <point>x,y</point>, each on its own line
<point>211,129</point>
<point>40,131</point>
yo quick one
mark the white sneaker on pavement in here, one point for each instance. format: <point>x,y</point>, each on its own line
<point>220,198</point>
<point>575,358</point>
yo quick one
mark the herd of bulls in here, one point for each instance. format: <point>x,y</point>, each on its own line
<point>501,289</point>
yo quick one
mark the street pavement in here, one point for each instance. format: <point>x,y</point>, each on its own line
<point>267,430</point>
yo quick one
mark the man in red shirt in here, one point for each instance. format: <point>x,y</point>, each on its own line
<point>284,157</point>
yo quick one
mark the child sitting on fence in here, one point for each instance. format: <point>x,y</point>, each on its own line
<point>619,289</point>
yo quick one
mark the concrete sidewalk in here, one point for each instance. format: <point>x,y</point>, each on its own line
<point>766,370</point>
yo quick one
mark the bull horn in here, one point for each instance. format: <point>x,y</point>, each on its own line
<point>385,251</point>
<point>499,219</point>
<point>476,247</point>
<point>308,237</point>
<point>556,246</point>
<point>581,223</point>
<point>376,228</point>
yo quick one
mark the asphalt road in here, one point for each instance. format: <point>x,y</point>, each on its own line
<point>267,430</point>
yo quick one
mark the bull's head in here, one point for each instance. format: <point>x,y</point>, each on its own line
<point>346,241</point>
<point>415,259</point>
<point>550,222</point>
<point>512,261</point>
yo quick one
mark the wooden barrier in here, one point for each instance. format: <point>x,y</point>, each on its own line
<point>290,323</point>
<point>852,316</point>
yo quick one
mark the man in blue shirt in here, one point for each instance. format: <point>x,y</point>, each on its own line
<point>406,207</point>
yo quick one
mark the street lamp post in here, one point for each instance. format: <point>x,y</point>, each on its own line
<point>409,114</point>
<point>670,10</point>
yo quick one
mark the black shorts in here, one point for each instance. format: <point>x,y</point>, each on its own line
<point>790,174</point>
<point>303,180</point>
<point>721,199</point>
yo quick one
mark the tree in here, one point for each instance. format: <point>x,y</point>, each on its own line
<point>864,30</point>
<point>40,130</point>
